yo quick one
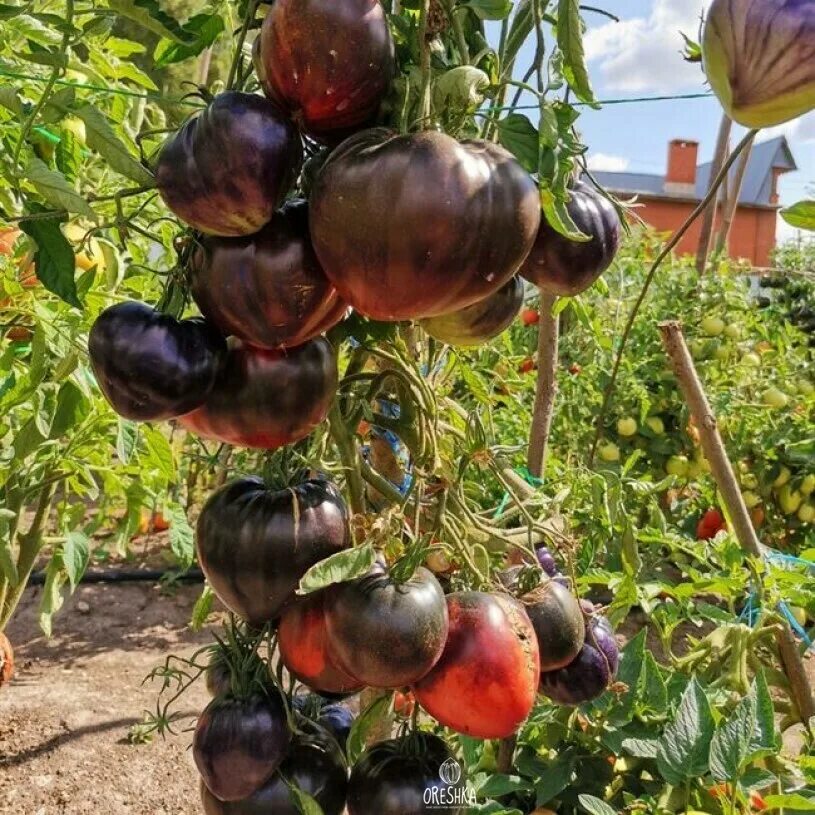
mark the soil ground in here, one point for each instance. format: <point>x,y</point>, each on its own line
<point>65,717</point>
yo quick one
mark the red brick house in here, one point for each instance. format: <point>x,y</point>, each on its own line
<point>667,200</point>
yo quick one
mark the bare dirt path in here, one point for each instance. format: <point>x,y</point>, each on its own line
<point>64,719</point>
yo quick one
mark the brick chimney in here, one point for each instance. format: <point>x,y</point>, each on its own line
<point>682,157</point>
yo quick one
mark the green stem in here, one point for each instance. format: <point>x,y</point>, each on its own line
<point>46,93</point>
<point>236,59</point>
<point>667,249</point>
<point>458,30</point>
<point>349,456</point>
<point>30,545</point>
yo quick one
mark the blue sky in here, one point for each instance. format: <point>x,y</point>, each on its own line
<point>640,56</point>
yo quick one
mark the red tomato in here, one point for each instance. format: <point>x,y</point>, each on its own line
<point>486,681</point>
<point>527,365</point>
<point>574,369</point>
<point>709,524</point>
<point>530,316</point>
<point>303,643</point>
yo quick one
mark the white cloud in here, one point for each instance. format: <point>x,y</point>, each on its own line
<point>643,54</point>
<point>609,163</point>
<point>801,130</point>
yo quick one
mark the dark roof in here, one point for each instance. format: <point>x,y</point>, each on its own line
<point>756,188</point>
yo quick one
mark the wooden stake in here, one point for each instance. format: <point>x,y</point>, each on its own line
<point>723,473</point>
<point>706,234</point>
<point>547,385</point>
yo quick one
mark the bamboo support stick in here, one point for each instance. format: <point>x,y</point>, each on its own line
<point>725,477</point>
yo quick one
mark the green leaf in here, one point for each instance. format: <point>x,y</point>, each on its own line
<point>518,135</point>
<point>159,452</point>
<point>205,27</point>
<point>641,748</point>
<point>8,564</point>
<point>149,15</point>
<point>731,742</point>
<point>371,716</point>
<point>305,803</point>
<point>765,736</point>
<point>10,100</point>
<point>555,779</point>
<point>497,785</point>
<point>490,9</point>
<point>595,806</point>
<point>340,567</point>
<point>104,141</point>
<point>202,609</point>
<point>7,12</point>
<point>52,599</point>
<point>69,156</point>
<point>684,748</point>
<point>521,27</point>
<point>655,694</point>
<point>55,188</point>
<point>126,437</point>
<point>54,259</point>
<point>182,537</point>
<point>71,409</point>
<point>793,801</point>
<point>570,42</point>
<point>556,214</point>
<point>800,215</point>
<point>75,556</point>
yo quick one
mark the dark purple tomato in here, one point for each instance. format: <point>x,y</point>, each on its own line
<point>480,322</point>
<point>547,561</point>
<point>314,765</point>
<point>387,634</point>
<point>485,683</point>
<point>302,637</point>
<point>336,717</point>
<point>254,544</point>
<point>328,63</point>
<point>267,289</point>
<point>151,366</point>
<point>239,743</point>
<point>557,618</point>
<point>228,168</point>
<point>398,778</point>
<point>564,267</point>
<point>413,226</point>
<point>268,399</point>
<point>590,673</point>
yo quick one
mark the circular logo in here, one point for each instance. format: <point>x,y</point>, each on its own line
<point>450,772</point>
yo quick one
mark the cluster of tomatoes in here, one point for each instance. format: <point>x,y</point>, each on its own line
<point>415,226</point>
<point>474,661</point>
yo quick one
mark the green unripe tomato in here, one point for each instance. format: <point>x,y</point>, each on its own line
<point>774,398</point>
<point>677,465</point>
<point>782,477</point>
<point>656,424</point>
<point>789,499</point>
<point>609,452</point>
<point>806,513</point>
<point>733,331</point>
<point>751,499</point>
<point>627,426</point>
<point>807,486</point>
<point>712,325</point>
<point>751,360</point>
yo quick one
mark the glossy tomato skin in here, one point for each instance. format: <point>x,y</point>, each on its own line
<point>590,673</point>
<point>254,544</point>
<point>335,717</point>
<point>480,322</point>
<point>6,660</point>
<point>485,683</point>
<point>564,267</point>
<point>329,63</point>
<point>267,289</point>
<point>413,226</point>
<point>267,399</point>
<point>239,743</point>
<point>390,780</point>
<point>314,764</point>
<point>304,648</point>
<point>557,618</point>
<point>151,366</point>
<point>227,170</point>
<point>387,634</point>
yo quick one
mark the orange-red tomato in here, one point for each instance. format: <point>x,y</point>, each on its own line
<point>529,316</point>
<point>574,369</point>
<point>404,703</point>
<point>709,524</point>
<point>527,365</point>
<point>153,522</point>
